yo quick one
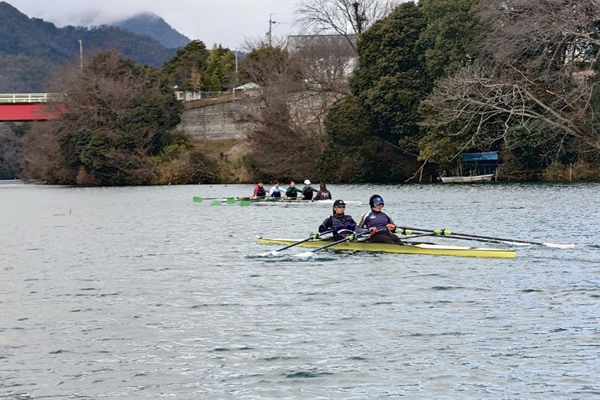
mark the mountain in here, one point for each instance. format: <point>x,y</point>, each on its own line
<point>150,24</point>
<point>30,47</point>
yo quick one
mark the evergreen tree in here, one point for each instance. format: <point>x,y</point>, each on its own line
<point>391,79</point>
<point>186,64</point>
<point>452,32</point>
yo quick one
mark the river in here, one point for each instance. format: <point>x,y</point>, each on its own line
<point>139,292</point>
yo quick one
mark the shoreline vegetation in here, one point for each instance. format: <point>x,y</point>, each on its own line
<point>226,162</point>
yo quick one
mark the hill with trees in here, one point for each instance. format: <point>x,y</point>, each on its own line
<point>31,47</point>
<point>151,25</point>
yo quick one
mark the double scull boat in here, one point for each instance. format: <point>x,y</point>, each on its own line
<point>407,248</point>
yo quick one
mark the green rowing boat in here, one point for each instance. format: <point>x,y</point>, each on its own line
<point>408,248</point>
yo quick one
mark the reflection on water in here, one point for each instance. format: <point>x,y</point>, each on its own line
<point>140,293</point>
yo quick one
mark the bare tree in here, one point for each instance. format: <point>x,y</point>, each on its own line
<point>297,89</point>
<point>537,66</point>
<point>325,61</point>
<point>347,18</point>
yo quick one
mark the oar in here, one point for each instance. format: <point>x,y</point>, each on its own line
<point>489,239</point>
<point>270,199</point>
<point>247,201</point>
<point>229,200</point>
<point>349,237</point>
<point>311,237</point>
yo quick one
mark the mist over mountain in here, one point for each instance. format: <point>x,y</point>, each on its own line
<point>31,47</point>
<point>150,24</point>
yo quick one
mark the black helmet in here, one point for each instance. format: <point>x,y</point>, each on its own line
<point>375,199</point>
<point>338,203</point>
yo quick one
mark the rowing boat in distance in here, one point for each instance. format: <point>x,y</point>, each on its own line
<point>246,201</point>
<point>283,200</point>
<point>468,179</point>
<point>407,248</point>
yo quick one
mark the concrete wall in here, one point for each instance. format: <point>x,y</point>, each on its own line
<point>220,121</point>
<point>214,120</point>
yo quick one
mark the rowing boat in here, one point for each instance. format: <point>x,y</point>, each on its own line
<point>271,200</point>
<point>468,179</point>
<point>407,248</point>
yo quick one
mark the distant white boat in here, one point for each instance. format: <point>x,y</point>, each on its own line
<point>468,179</point>
<point>270,200</point>
<point>11,182</point>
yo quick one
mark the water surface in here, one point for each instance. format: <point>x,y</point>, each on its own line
<point>141,293</point>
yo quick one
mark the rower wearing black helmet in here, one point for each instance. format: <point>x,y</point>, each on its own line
<point>339,221</point>
<point>379,223</point>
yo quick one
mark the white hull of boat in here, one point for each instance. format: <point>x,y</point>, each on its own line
<point>299,201</point>
<point>468,179</point>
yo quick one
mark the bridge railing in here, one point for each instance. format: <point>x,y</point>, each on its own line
<point>17,98</point>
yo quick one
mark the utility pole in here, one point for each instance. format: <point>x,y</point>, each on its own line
<point>81,54</point>
<point>271,22</point>
<point>236,63</point>
<point>236,73</point>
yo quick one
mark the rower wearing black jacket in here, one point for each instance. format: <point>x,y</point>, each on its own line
<point>339,221</point>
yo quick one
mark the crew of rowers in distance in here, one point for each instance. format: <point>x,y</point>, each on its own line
<point>292,192</point>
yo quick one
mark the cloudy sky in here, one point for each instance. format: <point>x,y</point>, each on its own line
<point>228,22</point>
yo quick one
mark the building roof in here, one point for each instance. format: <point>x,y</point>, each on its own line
<point>486,156</point>
<point>249,85</point>
<point>295,43</point>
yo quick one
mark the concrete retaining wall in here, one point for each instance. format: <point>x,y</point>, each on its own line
<point>220,121</point>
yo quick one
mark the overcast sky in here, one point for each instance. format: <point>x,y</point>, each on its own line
<point>227,22</point>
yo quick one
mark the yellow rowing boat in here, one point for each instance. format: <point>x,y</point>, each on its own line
<point>408,248</point>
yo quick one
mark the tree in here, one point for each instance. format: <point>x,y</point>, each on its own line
<point>325,62</point>
<point>117,116</point>
<point>451,34</point>
<point>183,69</point>
<point>287,137</point>
<point>10,145</point>
<point>218,69</point>
<point>265,65</point>
<point>535,80</point>
<point>347,18</point>
<point>391,79</point>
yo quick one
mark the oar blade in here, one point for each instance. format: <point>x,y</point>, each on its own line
<point>244,203</point>
<point>198,199</point>
<point>215,203</point>
<point>231,200</point>
<point>560,246</point>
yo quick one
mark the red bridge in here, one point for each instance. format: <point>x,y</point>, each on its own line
<point>28,107</point>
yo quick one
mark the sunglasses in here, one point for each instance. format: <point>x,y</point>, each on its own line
<point>341,206</point>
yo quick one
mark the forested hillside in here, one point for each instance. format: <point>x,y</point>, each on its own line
<point>30,47</point>
<point>152,25</point>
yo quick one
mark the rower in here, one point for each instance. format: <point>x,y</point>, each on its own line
<point>276,191</point>
<point>292,191</point>
<point>259,191</point>
<point>307,191</point>
<point>341,223</point>
<point>378,222</point>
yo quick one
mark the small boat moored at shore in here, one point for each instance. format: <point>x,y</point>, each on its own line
<point>467,179</point>
<point>407,248</point>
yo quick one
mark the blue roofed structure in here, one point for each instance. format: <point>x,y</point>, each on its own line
<point>486,156</point>
<point>479,163</point>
